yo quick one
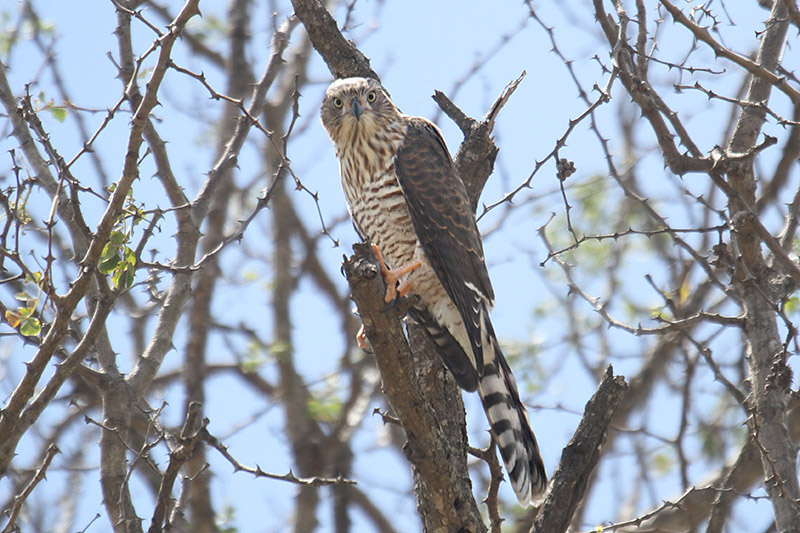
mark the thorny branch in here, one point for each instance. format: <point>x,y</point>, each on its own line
<point>702,34</point>
<point>290,477</point>
<point>559,144</point>
<point>19,500</point>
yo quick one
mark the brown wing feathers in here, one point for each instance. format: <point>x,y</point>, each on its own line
<point>441,215</point>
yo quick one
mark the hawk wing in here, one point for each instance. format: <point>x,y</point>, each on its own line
<point>445,225</point>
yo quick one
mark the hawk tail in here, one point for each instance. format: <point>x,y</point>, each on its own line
<point>511,429</point>
<point>449,350</point>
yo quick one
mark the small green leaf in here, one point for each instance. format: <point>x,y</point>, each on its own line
<point>25,312</point>
<point>130,256</point>
<point>31,327</point>
<point>59,113</point>
<point>109,250</point>
<point>791,305</point>
<point>129,275</point>
<point>324,411</point>
<point>108,265</point>
<point>117,238</point>
<point>661,463</point>
<point>116,277</point>
<point>280,349</point>
<point>123,276</point>
<point>22,296</point>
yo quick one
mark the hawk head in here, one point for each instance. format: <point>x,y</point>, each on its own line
<point>356,108</point>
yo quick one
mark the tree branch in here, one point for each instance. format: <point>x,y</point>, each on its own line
<point>571,478</point>
<point>435,431</point>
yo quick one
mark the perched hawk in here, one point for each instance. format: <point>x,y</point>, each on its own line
<point>406,198</point>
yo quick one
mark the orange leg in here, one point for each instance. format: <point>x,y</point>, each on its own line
<point>391,277</point>
<point>361,339</point>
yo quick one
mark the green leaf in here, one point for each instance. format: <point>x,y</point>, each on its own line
<point>791,305</point>
<point>130,274</point>
<point>280,349</point>
<point>123,276</point>
<point>116,277</point>
<point>59,113</point>
<point>31,327</point>
<point>661,463</point>
<point>324,411</point>
<point>130,256</point>
<point>109,264</point>
<point>22,296</point>
<point>251,366</point>
<point>117,238</point>
<point>109,250</point>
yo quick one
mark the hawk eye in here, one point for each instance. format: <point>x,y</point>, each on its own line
<point>371,96</point>
<point>337,103</point>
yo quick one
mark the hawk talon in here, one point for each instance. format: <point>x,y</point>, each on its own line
<point>362,341</point>
<point>392,276</point>
<point>402,302</point>
<point>393,304</point>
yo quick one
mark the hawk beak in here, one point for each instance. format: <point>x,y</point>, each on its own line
<point>355,108</point>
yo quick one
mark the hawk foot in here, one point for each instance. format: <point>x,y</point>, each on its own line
<point>392,276</point>
<point>362,341</point>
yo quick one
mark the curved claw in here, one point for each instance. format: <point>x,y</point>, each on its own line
<point>362,340</point>
<point>392,276</point>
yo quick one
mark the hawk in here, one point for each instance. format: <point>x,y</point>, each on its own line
<point>405,197</point>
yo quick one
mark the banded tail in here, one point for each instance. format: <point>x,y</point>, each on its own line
<point>511,429</point>
<point>507,416</point>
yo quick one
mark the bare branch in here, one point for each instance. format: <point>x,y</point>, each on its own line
<point>578,459</point>
<point>19,500</point>
<point>702,34</point>
<point>290,477</point>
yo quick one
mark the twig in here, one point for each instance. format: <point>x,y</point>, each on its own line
<point>560,143</point>
<point>618,234</point>
<point>180,452</point>
<point>290,477</point>
<point>739,102</point>
<point>489,455</point>
<point>479,63</point>
<point>702,34</point>
<point>19,500</point>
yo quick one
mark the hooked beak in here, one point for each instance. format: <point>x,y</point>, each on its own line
<point>355,108</point>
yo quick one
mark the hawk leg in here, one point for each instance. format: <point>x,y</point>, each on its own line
<point>392,276</point>
<point>361,339</point>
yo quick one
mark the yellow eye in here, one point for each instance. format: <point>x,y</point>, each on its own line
<point>337,103</point>
<point>371,96</point>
